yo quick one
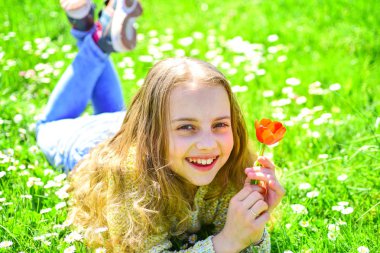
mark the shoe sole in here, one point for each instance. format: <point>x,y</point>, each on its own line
<point>76,9</point>
<point>123,33</point>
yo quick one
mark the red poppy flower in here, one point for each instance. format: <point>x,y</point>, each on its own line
<point>269,132</point>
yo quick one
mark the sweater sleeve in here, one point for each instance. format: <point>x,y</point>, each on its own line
<point>204,246</point>
<point>264,246</point>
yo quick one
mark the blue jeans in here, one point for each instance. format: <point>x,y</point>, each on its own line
<point>62,134</point>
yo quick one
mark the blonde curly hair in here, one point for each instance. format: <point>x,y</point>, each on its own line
<point>133,164</point>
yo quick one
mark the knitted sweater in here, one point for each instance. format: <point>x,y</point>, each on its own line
<point>205,212</point>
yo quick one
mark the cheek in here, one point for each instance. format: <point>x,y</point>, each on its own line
<point>227,141</point>
<point>178,146</point>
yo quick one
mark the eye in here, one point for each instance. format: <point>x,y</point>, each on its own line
<point>186,127</point>
<point>221,125</point>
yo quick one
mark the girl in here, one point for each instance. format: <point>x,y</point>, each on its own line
<point>178,166</point>
<point>175,173</point>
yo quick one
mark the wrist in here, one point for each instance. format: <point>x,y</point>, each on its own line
<point>223,244</point>
<point>261,239</point>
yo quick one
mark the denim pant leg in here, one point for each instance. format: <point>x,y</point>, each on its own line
<point>81,35</point>
<point>73,91</point>
<point>107,95</point>
<point>67,101</point>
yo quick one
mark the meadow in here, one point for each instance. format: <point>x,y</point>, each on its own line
<point>314,65</point>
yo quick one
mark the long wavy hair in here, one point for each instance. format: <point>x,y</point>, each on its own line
<point>136,159</point>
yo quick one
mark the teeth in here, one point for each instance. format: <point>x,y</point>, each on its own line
<point>201,161</point>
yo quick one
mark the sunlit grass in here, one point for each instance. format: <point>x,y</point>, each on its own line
<point>313,65</point>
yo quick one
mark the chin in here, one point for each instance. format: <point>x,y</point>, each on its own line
<point>202,182</point>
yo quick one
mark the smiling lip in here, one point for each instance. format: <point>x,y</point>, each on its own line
<point>201,167</point>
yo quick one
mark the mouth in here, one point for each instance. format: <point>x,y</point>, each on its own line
<point>202,164</point>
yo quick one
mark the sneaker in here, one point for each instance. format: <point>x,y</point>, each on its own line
<point>80,13</point>
<point>119,34</point>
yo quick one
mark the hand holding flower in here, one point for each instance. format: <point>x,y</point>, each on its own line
<point>246,218</point>
<point>266,174</point>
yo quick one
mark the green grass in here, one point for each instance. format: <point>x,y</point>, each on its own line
<point>325,41</point>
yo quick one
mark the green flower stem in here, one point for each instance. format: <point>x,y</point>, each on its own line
<point>261,152</point>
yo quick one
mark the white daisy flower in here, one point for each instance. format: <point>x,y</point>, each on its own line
<point>331,236</point>
<point>340,223</point>
<point>272,38</point>
<point>186,41</point>
<point>337,208</point>
<point>304,224</point>
<point>333,227</point>
<point>304,186</point>
<point>46,210</point>
<point>301,100</point>
<point>268,93</point>
<point>347,210</point>
<point>100,250</point>
<point>60,205</point>
<point>335,86</point>
<point>298,208</point>
<point>17,118</point>
<point>363,249</point>
<point>312,194</point>
<point>73,236</point>
<point>70,249</point>
<point>6,244</point>
<point>293,81</point>
<point>323,156</point>
<point>342,177</point>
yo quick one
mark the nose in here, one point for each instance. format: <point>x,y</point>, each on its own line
<point>206,141</point>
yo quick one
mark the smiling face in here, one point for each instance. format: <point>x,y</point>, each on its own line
<point>200,133</point>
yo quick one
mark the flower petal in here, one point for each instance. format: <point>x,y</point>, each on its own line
<point>265,122</point>
<point>269,132</point>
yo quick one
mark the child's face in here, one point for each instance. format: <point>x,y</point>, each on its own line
<point>200,134</point>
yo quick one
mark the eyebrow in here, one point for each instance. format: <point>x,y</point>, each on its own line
<point>192,119</point>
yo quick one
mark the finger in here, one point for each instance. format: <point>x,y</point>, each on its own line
<point>260,169</point>
<point>276,187</point>
<point>254,187</point>
<point>243,193</point>
<point>251,199</point>
<point>260,176</point>
<point>265,170</point>
<point>262,218</point>
<point>265,162</point>
<point>258,208</point>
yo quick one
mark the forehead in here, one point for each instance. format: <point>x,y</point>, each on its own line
<point>199,101</point>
